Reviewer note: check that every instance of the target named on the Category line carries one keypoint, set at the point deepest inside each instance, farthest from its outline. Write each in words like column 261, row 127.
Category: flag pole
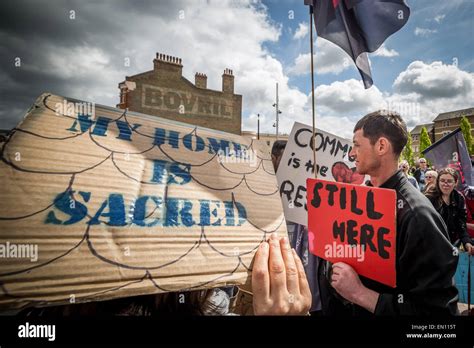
column 312, row 89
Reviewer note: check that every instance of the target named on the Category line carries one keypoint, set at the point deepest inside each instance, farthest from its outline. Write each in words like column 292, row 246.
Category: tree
column 466, row 132
column 407, row 152
column 425, row 140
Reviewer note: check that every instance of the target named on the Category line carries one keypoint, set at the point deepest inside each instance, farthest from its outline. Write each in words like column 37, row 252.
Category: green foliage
column 466, row 132
column 407, row 153
column 425, row 140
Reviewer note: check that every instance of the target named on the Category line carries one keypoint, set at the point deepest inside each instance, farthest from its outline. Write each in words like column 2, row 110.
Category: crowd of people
column 431, row 223
column 288, row 280
column 440, row 188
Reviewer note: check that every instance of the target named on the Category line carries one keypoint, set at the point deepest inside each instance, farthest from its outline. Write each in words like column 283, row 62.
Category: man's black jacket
column 425, row 264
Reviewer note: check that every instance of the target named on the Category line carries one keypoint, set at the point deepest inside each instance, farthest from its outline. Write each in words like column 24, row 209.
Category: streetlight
column 258, row 126
column 277, row 111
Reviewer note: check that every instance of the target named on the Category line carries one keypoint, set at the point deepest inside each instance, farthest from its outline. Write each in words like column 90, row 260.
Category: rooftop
column 417, row 129
column 454, row 114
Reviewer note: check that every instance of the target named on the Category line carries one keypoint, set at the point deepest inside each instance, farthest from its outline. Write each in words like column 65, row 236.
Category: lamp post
column 258, row 126
column 277, row 111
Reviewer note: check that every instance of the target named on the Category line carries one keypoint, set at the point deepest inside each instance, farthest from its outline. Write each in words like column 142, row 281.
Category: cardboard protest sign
column 103, row 203
column 296, row 165
column 354, row 224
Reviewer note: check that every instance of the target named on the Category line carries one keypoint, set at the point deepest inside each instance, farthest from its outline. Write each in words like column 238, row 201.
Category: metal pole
column 277, row 110
column 312, row 89
column 258, row 126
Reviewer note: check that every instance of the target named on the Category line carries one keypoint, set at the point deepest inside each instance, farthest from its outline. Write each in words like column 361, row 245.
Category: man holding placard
column 425, row 259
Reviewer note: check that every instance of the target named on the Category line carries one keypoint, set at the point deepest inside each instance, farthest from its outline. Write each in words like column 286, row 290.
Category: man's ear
column 383, row 146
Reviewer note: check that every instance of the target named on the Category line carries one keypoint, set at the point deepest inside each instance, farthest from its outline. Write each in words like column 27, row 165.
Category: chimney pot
column 200, row 80
column 167, row 62
column 228, row 81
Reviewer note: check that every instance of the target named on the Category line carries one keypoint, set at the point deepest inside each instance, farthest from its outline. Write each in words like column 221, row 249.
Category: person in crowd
column 451, row 205
column 430, row 180
column 211, row 302
column 277, row 152
column 425, row 259
column 405, row 167
column 420, row 173
column 298, row 239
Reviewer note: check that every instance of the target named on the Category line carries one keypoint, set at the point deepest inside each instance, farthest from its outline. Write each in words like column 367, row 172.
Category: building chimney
column 228, row 81
column 200, row 80
column 125, row 88
column 167, row 63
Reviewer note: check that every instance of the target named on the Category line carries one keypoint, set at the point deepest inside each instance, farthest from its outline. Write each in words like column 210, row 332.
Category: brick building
column 446, row 122
column 416, row 134
column 442, row 125
column 164, row 92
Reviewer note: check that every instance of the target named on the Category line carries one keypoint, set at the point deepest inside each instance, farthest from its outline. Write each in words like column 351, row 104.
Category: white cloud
column 329, row 58
column 435, row 80
column 229, row 34
column 420, row 93
column 209, row 37
column 434, row 88
column 301, row 32
column 339, row 125
column 424, row 32
column 260, row 85
column 347, row 98
column 383, row 51
column 301, row 65
column 439, row 18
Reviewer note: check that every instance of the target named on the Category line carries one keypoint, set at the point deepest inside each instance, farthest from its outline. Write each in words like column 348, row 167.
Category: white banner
column 296, row 165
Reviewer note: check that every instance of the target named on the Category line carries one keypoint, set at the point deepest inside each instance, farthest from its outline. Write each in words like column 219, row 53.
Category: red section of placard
column 354, row 224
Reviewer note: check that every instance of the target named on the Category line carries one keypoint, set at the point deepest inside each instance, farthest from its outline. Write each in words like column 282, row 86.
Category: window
column 446, row 133
column 415, row 138
column 446, row 123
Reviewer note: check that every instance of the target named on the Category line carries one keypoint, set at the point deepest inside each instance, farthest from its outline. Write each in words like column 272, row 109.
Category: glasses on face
column 447, row 181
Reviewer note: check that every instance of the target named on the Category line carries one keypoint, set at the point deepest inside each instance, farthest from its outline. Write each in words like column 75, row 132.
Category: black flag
column 359, row 26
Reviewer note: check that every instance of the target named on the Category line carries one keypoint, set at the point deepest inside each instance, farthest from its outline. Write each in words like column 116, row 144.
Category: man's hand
column 279, row 281
column 469, row 248
column 346, row 282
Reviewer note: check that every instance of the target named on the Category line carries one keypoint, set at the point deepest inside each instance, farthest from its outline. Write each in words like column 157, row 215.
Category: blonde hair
column 402, row 163
column 433, row 173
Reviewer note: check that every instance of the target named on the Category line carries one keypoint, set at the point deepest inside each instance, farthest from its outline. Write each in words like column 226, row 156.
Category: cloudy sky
column 79, row 49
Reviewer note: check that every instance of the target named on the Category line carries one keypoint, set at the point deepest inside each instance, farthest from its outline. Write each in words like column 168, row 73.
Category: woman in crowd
column 430, row 180
column 451, row 206
column 405, row 167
